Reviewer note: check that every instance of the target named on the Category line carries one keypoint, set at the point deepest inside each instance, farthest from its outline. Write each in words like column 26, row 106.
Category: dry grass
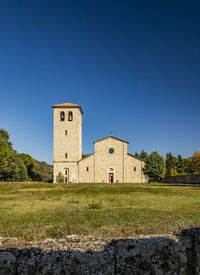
column 37, row 211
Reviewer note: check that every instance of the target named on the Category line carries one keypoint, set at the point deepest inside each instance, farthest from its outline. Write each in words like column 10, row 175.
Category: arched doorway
column 66, row 175
column 111, row 175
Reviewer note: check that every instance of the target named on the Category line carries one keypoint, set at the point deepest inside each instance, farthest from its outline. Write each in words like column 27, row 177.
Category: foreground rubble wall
column 125, row 256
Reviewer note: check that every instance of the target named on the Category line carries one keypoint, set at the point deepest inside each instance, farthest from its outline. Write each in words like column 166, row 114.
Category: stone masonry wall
column 122, row 162
column 70, row 143
column 84, row 174
column 126, row 256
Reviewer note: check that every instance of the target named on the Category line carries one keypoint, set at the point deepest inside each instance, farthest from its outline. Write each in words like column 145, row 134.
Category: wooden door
column 111, row 177
column 66, row 179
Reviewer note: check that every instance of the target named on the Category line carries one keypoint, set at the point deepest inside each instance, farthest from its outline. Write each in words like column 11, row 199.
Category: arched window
column 66, row 175
column 62, row 116
column 66, row 171
column 70, row 116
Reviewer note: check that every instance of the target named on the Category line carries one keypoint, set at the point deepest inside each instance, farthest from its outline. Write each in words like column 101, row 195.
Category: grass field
column 39, row 210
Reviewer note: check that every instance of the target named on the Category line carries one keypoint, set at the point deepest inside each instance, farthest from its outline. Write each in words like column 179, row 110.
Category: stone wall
column 183, row 179
column 72, row 168
column 84, row 175
column 125, row 256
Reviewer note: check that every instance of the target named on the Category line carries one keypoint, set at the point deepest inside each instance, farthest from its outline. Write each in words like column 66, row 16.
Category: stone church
column 110, row 162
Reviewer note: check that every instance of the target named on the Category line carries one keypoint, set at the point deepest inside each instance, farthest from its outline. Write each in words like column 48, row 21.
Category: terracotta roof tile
column 67, row 105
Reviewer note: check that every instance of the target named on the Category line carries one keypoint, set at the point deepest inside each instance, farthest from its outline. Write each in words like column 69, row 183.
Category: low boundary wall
column 125, row 256
column 183, row 179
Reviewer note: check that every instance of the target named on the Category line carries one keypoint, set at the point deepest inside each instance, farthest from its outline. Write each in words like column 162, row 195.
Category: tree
column 4, row 153
column 19, row 167
column 183, row 166
column 143, row 155
column 28, row 160
column 85, row 155
column 5, row 136
column 16, row 169
column 180, row 166
column 171, row 163
column 30, row 163
column 155, row 166
column 137, row 155
column 60, row 178
column 195, row 163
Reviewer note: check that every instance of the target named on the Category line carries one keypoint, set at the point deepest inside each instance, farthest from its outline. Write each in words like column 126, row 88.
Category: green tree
column 60, row 178
column 30, row 163
column 182, row 166
column 195, row 163
column 16, row 171
column 5, row 136
column 143, row 155
column 4, row 153
column 50, row 178
column 14, row 166
column 171, row 163
column 28, row 160
column 155, row 167
column 85, row 155
column 137, row 155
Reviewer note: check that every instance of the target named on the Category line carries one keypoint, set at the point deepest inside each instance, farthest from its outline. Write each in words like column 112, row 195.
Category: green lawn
column 40, row 210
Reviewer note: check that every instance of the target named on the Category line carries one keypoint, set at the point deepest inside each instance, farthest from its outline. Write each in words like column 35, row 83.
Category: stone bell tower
column 67, row 140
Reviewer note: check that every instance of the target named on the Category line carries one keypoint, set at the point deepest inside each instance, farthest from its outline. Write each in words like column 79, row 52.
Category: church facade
column 110, row 162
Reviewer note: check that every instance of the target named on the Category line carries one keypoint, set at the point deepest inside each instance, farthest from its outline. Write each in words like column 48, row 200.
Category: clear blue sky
column 133, row 66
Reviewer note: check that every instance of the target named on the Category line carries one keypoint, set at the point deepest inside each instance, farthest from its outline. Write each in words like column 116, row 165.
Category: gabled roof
column 67, row 105
column 113, row 138
column 135, row 157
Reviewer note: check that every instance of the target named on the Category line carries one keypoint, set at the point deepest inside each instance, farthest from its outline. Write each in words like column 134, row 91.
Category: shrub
column 60, row 178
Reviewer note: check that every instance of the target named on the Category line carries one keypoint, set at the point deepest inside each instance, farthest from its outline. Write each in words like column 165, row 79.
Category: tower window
column 66, row 132
column 70, row 116
column 134, row 169
column 87, row 169
column 66, row 155
column 62, row 116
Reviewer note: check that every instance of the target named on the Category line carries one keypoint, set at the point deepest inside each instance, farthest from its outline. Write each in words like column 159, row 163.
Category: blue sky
column 133, row 66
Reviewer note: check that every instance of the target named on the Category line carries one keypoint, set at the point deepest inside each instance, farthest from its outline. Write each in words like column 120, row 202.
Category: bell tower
column 67, row 140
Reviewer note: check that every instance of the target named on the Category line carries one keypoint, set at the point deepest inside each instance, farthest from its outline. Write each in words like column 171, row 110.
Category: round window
column 111, row 151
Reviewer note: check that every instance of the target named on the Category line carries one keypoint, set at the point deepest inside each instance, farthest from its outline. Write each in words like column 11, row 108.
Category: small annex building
column 110, row 162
